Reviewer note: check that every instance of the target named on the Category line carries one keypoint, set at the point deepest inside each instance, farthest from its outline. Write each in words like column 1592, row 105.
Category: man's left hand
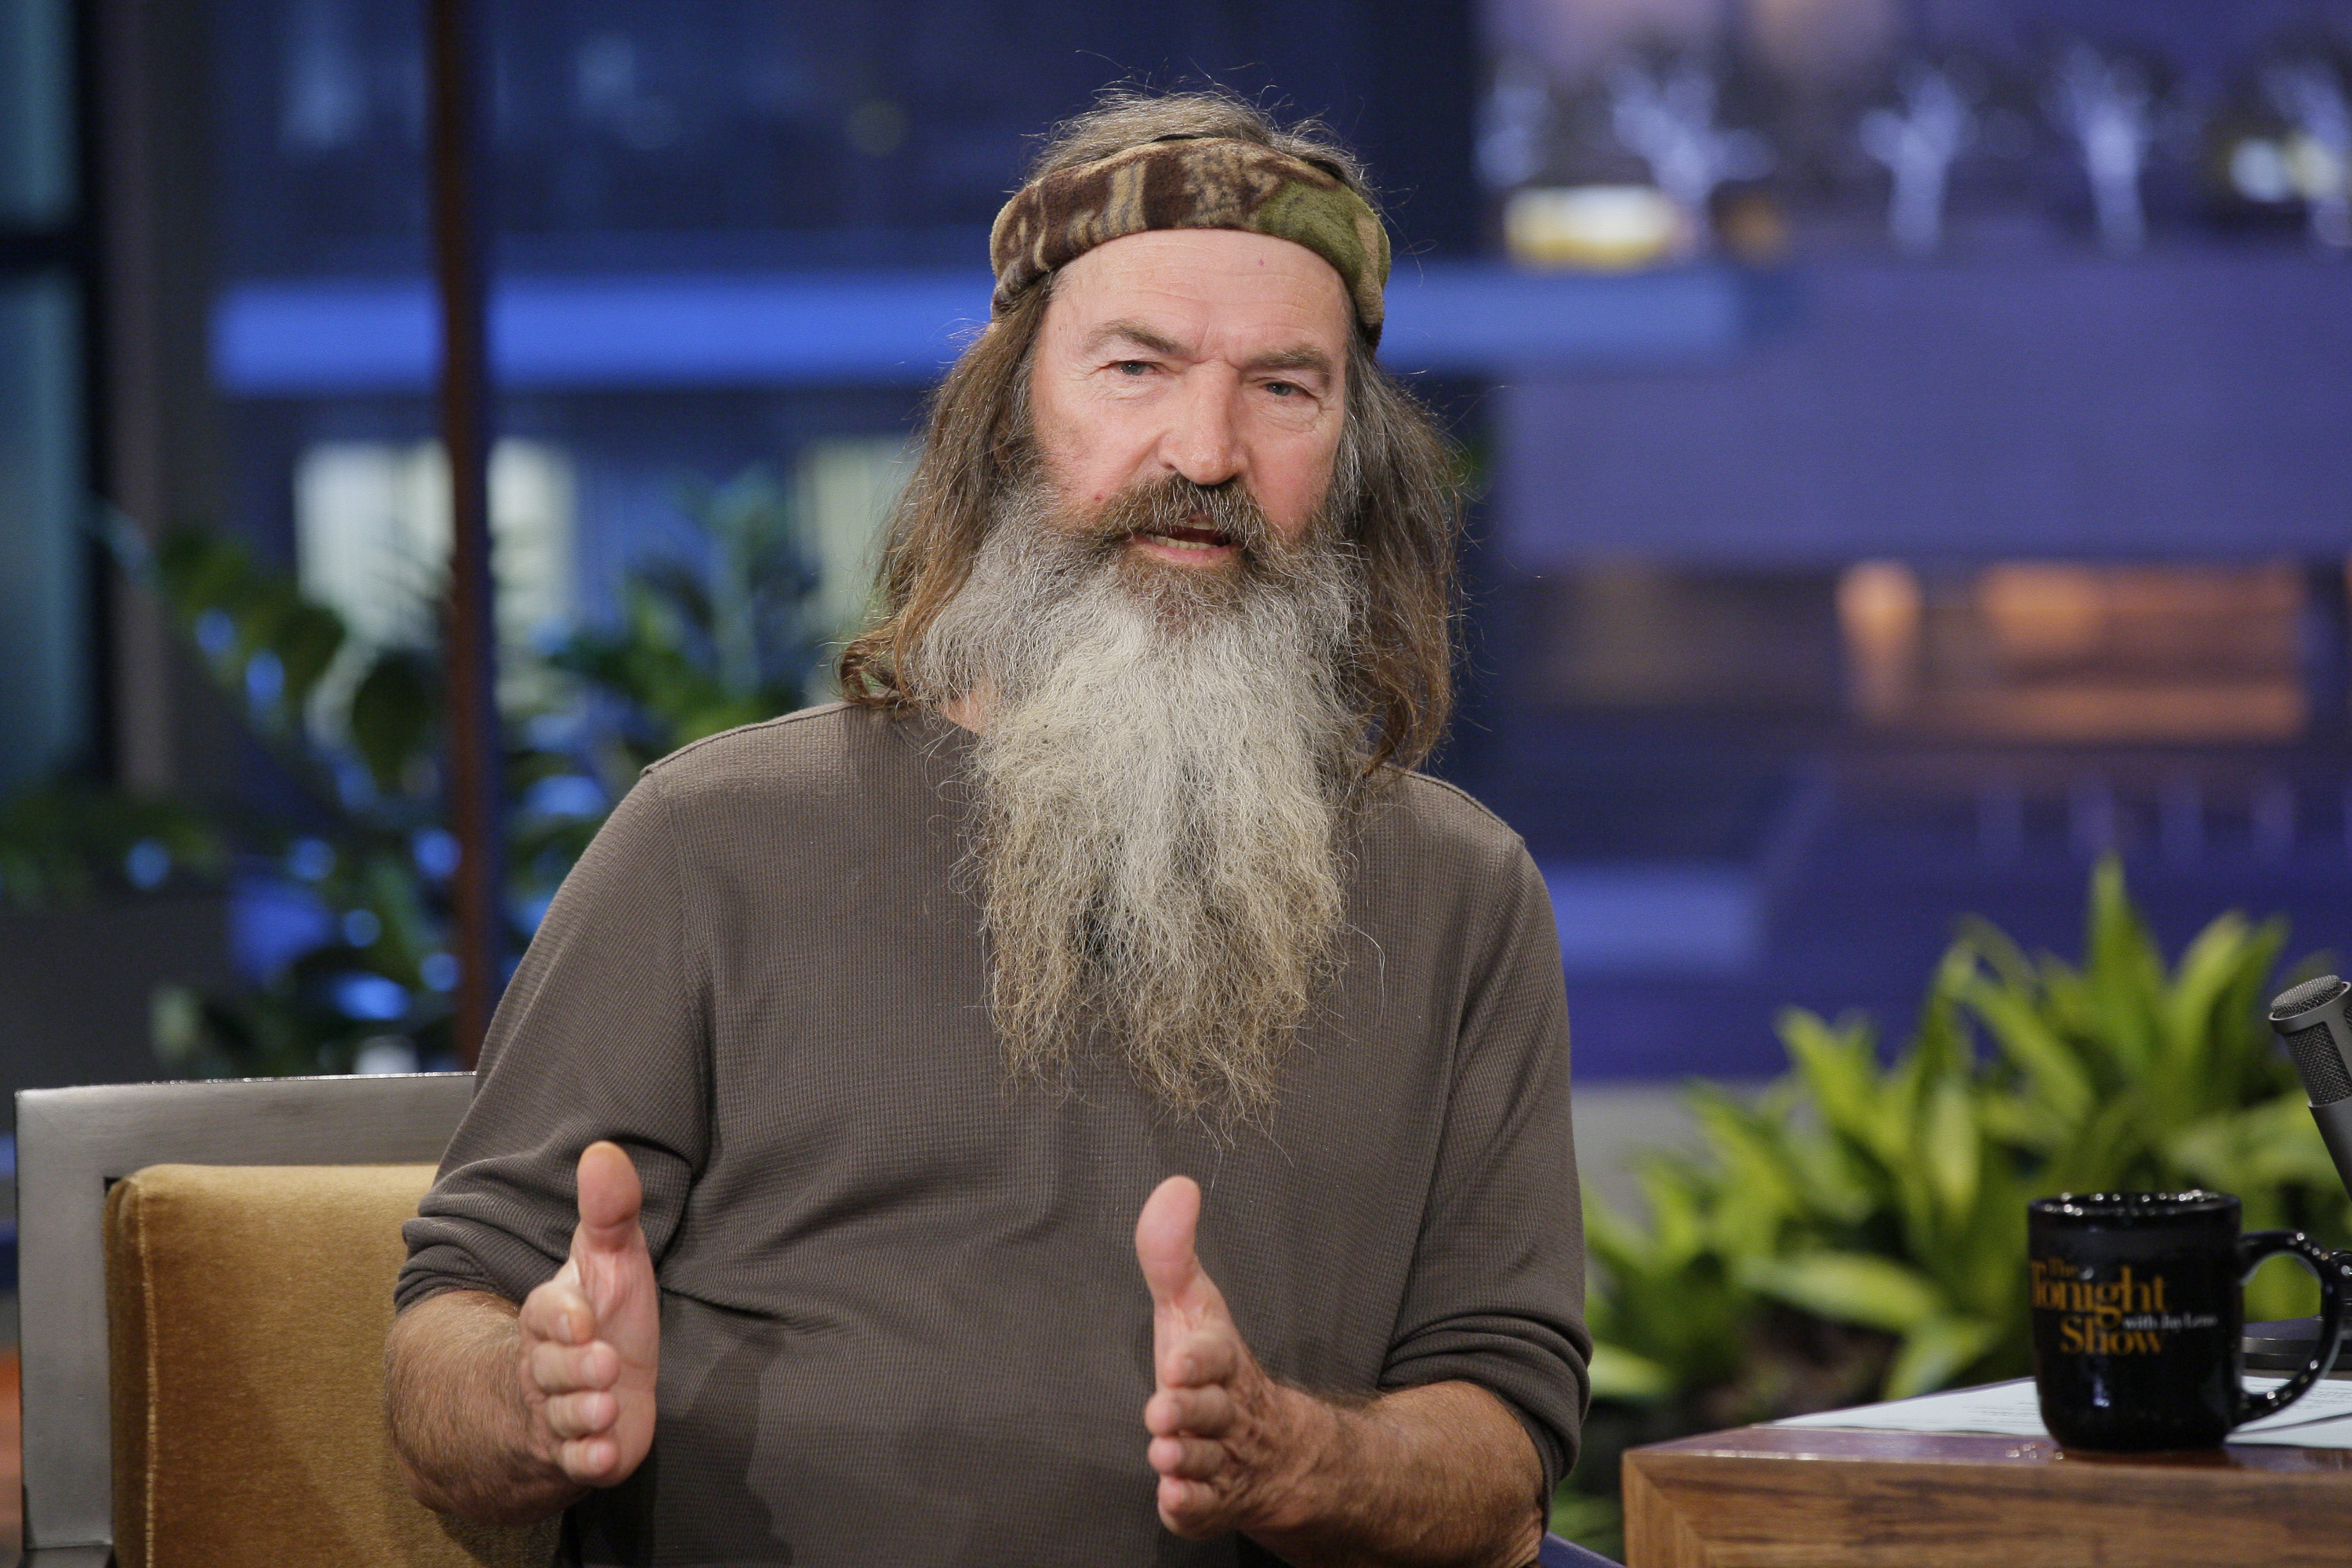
column 1236, row 1450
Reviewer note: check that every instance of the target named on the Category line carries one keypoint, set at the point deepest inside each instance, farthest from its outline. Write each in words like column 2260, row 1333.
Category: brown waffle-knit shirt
column 902, row 1317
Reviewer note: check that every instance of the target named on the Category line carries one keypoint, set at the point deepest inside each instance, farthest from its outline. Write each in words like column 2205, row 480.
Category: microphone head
column 2311, row 1024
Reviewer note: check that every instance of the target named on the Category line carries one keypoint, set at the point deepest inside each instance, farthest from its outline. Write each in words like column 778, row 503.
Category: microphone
column 2311, row 1023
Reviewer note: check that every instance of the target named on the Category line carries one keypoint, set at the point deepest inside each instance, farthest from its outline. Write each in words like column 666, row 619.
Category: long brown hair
column 1395, row 499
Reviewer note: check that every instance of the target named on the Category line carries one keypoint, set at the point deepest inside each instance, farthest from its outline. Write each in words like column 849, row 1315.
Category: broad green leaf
column 1982, row 1267
column 2025, row 1037
column 1835, row 1183
column 2108, row 1151
column 1619, row 1374
column 1942, row 1044
column 1935, row 1351
column 2023, row 1121
column 2125, row 972
column 2007, row 960
column 1611, row 1240
column 1677, row 1221
column 307, row 641
column 2208, row 966
column 197, row 569
column 392, row 894
column 1761, row 1176
column 394, row 715
column 2067, row 1001
column 1912, row 1086
column 1837, row 1067
column 1950, row 1146
column 1848, row 1287
column 2261, row 1146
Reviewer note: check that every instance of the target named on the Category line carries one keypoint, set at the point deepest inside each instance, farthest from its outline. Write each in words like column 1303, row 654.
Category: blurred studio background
column 1913, row 443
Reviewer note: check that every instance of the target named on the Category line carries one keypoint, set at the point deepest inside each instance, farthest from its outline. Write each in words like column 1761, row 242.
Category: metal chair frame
column 72, row 1142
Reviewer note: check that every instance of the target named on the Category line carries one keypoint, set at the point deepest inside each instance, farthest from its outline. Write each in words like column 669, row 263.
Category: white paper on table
column 2320, row 1419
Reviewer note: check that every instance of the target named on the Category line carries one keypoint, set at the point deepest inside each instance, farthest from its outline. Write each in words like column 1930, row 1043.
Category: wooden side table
column 1789, row 1497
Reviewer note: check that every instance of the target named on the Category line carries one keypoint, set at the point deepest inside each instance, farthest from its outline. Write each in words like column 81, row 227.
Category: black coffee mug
column 2138, row 1312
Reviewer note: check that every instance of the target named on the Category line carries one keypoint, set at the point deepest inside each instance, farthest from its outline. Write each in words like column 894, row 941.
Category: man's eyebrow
column 1135, row 332
column 1299, row 356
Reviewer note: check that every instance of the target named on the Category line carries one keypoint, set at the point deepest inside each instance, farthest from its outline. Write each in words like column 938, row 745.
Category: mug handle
column 2332, row 1269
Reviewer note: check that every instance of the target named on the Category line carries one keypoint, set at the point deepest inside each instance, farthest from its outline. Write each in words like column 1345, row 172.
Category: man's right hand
column 592, row 1335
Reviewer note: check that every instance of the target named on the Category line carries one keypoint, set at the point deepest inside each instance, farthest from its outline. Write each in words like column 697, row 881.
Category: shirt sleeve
column 601, row 1033
column 1497, row 1292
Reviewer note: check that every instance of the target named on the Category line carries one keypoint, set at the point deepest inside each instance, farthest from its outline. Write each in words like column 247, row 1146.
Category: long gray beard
column 1162, row 786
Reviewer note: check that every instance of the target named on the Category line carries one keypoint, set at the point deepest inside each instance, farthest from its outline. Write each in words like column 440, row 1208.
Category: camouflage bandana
column 1190, row 183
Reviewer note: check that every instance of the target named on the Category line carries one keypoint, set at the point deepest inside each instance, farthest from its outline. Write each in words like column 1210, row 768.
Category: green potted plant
column 1858, row 1230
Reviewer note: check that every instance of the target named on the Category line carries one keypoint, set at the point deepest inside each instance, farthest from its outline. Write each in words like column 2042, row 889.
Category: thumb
column 1163, row 1246
column 609, row 1198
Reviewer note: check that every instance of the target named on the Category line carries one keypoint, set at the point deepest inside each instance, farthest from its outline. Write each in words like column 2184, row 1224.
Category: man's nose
column 1203, row 441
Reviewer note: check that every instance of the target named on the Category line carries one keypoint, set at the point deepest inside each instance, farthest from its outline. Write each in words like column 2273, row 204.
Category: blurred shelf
column 333, row 337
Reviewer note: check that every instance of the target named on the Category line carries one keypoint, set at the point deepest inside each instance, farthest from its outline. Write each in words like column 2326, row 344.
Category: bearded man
column 1083, row 1099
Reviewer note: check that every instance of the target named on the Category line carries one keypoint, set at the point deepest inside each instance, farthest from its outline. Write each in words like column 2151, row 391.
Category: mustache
column 1178, row 505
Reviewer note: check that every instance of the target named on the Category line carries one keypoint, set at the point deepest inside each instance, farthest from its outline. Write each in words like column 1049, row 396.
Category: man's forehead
column 1181, row 291
column 1264, row 353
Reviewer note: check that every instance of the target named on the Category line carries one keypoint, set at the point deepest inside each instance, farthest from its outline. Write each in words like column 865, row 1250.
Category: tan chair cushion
column 246, row 1308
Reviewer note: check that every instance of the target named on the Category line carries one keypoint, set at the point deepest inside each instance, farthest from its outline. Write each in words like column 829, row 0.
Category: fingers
column 590, row 1461
column 1163, row 1244
column 1187, row 1458
column 1192, row 1411
column 568, row 1369
column 610, row 1196
column 575, row 1415
column 575, row 1377
column 589, row 1343
column 1209, row 1354
column 1199, row 1416
column 559, row 1310
column 574, row 1373
column 1190, row 1509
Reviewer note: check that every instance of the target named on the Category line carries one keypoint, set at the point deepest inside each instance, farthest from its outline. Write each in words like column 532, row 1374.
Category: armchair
column 206, row 1279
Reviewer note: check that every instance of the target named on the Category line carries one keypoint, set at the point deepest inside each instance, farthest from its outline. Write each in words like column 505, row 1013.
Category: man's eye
column 1283, row 388
column 1133, row 367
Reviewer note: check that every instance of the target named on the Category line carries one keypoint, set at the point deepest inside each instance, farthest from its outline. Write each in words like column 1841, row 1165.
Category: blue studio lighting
column 216, row 633
column 370, row 997
column 265, row 679
column 341, row 336
column 272, row 923
column 147, row 865
column 437, row 851
column 309, row 858
column 565, row 794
